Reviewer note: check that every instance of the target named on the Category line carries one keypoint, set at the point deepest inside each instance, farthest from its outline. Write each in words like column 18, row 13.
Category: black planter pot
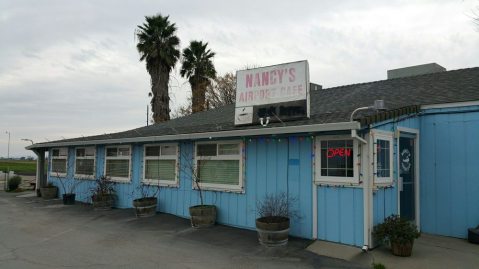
column 473, row 235
column 69, row 199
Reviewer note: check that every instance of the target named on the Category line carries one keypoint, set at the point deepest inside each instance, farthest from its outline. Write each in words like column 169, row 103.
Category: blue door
column 407, row 166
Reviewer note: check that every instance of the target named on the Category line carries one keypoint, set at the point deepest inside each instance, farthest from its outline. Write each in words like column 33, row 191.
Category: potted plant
column 274, row 219
column 103, row 194
column 473, row 235
column 145, row 206
column 68, row 187
column 201, row 216
column 399, row 233
column 49, row 191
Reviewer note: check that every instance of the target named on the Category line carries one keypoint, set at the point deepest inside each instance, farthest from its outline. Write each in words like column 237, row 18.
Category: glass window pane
column 168, row 150
column 324, row 144
column 152, row 151
column 336, row 158
column 85, row 166
column 55, row 152
column 63, row 152
column 383, row 158
column 324, row 158
column 337, row 172
column 219, row 171
column 228, row 149
column 160, row 170
column 59, row 166
column 123, row 151
column 336, row 143
column 111, row 152
column 90, row 152
column 117, row 168
column 206, row 150
column 80, row 152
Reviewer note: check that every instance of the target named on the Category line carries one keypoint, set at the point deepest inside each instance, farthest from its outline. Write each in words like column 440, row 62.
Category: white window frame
column 239, row 157
column 387, row 136
column 119, row 179
column 331, row 179
column 165, row 183
column 83, row 176
column 53, row 173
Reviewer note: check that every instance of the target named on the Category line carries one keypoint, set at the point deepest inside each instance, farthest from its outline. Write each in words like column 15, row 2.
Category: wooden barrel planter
column 49, row 192
column 402, row 249
column 202, row 216
column 102, row 202
column 145, row 207
column 69, row 199
column 272, row 231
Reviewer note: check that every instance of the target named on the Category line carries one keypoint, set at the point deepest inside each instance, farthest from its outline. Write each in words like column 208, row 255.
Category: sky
column 71, row 68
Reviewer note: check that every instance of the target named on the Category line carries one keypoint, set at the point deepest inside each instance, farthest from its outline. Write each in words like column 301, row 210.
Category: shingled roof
column 328, row 105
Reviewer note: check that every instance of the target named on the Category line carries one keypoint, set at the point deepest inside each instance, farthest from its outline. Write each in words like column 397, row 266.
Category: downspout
column 367, row 193
column 365, row 176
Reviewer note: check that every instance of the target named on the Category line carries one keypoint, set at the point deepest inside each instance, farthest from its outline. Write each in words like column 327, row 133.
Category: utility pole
column 7, row 177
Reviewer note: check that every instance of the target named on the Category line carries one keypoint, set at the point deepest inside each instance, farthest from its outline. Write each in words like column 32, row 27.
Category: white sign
column 272, row 84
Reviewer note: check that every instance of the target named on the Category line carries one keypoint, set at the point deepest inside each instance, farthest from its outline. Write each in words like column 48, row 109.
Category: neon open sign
column 341, row 152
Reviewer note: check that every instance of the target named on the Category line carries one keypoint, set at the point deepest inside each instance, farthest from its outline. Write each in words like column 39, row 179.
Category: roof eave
column 325, row 127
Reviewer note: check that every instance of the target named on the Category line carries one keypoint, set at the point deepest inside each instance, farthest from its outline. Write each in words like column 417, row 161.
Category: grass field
column 20, row 167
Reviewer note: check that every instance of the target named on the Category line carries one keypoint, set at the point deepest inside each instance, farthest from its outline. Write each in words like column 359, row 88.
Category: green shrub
column 14, row 182
column 396, row 229
column 378, row 266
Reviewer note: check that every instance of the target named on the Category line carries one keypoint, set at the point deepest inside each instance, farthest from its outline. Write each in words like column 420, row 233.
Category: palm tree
column 158, row 46
column 198, row 68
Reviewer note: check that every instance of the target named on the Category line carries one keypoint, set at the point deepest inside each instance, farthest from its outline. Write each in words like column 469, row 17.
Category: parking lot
column 46, row 234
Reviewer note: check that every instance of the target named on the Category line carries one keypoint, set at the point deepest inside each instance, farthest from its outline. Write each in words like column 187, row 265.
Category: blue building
column 416, row 159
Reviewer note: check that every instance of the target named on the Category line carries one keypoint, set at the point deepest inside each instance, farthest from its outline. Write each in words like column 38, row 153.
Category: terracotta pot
column 273, row 231
column 145, row 207
column 402, row 249
column 102, row 202
column 49, row 192
column 202, row 216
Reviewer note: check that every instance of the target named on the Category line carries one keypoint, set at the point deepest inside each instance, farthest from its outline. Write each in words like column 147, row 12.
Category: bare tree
column 222, row 91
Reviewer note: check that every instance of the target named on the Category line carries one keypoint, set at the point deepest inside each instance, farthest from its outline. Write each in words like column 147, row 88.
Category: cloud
column 71, row 68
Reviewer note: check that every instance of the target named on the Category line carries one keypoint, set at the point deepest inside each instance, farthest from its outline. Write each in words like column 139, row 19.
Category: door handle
column 400, row 184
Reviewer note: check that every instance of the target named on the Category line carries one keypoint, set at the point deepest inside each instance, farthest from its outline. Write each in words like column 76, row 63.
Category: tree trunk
column 160, row 102
column 198, row 95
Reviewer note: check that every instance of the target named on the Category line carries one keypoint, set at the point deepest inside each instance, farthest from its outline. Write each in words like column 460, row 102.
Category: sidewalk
column 429, row 252
column 36, row 233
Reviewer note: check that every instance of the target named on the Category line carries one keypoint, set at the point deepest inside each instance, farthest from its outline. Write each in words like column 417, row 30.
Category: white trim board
column 338, row 126
column 449, row 105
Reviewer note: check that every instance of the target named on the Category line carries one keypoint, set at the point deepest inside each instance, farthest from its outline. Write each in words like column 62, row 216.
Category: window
column 160, row 164
column 219, row 165
column 383, row 160
column 59, row 161
column 85, row 162
column 336, row 160
column 117, row 163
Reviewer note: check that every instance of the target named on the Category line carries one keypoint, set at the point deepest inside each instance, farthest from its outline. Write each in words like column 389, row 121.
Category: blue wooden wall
column 340, row 215
column 272, row 166
column 449, row 171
